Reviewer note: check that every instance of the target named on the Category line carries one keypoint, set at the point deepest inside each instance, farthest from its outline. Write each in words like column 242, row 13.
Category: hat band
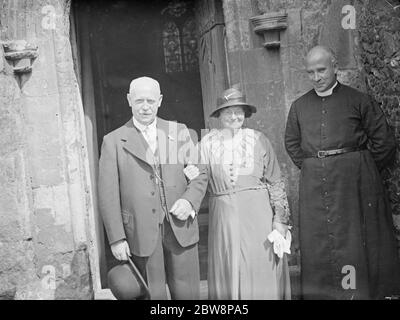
column 234, row 100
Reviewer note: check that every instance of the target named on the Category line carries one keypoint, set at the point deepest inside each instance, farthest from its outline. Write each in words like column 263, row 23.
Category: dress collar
column 327, row 92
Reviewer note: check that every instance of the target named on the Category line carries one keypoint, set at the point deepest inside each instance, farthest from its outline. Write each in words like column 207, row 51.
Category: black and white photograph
column 203, row 150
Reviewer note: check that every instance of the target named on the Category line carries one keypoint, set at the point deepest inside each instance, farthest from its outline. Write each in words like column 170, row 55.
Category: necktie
column 151, row 141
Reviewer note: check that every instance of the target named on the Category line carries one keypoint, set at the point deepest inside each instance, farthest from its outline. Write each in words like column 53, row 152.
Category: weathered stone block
column 13, row 210
column 261, row 65
column 234, row 66
column 16, row 266
column 50, row 238
column 292, row 34
column 11, row 138
column 1, row 58
column 76, row 283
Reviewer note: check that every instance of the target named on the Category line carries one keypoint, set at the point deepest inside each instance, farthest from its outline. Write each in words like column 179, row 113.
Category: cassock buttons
column 153, row 193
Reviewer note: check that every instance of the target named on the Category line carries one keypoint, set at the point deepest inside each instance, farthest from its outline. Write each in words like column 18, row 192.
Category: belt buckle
column 321, row 154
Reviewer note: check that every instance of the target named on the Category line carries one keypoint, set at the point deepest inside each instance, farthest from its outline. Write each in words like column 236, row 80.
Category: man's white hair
column 144, row 81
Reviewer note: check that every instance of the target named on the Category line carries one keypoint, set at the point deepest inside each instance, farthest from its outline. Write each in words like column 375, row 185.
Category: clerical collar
column 143, row 127
column 327, row 92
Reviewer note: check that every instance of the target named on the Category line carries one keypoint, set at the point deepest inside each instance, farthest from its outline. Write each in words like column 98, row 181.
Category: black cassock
column 346, row 227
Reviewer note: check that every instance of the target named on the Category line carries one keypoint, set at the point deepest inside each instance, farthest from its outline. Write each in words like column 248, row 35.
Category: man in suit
column 148, row 207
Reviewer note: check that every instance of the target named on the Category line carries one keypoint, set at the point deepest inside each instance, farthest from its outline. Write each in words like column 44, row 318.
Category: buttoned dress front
column 244, row 177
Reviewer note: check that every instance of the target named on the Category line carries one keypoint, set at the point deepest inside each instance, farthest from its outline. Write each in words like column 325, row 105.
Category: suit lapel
column 165, row 135
column 135, row 144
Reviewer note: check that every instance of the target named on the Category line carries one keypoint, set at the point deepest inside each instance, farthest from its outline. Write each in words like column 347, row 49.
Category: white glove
column 191, row 172
column 121, row 250
column 281, row 245
column 182, row 209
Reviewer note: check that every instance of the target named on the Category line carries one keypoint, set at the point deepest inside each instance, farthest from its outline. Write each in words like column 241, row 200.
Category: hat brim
column 252, row 109
column 137, row 284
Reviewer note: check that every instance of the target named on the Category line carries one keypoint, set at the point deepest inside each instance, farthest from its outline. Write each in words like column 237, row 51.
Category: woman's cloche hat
column 233, row 97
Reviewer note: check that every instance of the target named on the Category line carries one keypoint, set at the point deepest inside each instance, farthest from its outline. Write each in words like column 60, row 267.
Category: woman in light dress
column 247, row 201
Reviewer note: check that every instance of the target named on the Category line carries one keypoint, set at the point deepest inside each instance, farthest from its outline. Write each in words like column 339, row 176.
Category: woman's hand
column 281, row 228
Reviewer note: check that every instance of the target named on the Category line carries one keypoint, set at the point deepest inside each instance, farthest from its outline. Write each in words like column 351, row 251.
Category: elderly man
column 340, row 139
column 148, row 208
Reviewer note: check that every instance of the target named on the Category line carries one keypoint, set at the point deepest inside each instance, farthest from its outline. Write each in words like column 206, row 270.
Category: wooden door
column 212, row 54
column 214, row 79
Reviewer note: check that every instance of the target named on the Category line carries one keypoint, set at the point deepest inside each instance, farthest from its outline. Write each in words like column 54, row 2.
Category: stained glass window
column 172, row 48
column 179, row 37
column 190, row 45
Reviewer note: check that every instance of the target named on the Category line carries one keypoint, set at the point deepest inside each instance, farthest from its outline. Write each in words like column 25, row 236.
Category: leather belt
column 333, row 152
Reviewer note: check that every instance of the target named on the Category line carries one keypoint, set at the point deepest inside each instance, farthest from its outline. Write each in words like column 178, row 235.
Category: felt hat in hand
column 230, row 98
column 126, row 282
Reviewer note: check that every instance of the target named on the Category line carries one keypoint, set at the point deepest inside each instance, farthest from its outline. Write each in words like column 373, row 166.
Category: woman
column 247, row 201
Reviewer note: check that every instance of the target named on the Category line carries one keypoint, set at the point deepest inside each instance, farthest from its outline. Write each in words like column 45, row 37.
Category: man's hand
column 280, row 227
column 191, row 172
column 121, row 250
column 181, row 209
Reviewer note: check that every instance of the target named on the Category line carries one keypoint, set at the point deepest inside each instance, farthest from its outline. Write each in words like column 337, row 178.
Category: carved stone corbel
column 21, row 55
column 270, row 25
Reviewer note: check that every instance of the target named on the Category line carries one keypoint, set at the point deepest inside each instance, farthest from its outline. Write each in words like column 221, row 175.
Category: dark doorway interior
column 130, row 39
column 123, row 40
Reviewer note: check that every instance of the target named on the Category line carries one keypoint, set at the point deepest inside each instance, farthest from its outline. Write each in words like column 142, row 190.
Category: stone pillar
column 45, row 192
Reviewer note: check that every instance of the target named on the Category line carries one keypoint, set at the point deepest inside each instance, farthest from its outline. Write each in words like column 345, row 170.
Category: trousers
column 171, row 264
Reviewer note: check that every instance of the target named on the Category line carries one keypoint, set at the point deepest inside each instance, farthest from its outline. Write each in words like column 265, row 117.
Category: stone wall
column 379, row 28
column 44, row 188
